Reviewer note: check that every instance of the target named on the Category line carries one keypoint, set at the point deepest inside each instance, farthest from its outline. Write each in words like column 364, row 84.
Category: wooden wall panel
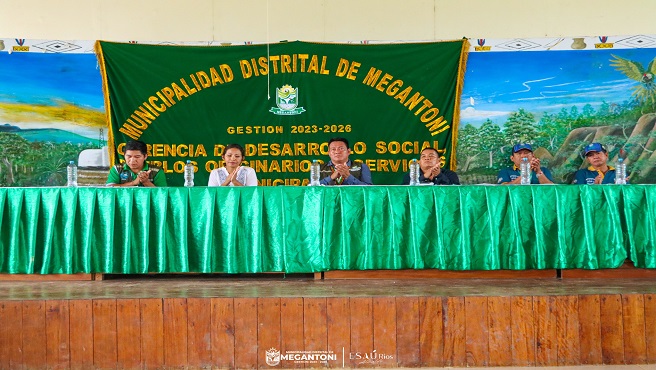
column 546, row 349
column 5, row 316
column 453, row 310
column 590, row 329
column 567, row 330
column 477, row 331
column 633, row 322
column 416, row 331
column 315, row 334
column 152, row 333
column 57, row 335
column 500, row 331
column 431, row 332
column 650, row 327
column 268, row 328
column 362, row 330
column 385, row 310
column 105, row 351
column 175, row 332
column 291, row 334
column 223, row 332
column 612, row 331
column 128, row 333
column 34, row 334
column 523, row 331
column 338, row 320
column 11, row 342
column 245, row 332
column 199, row 332
column 81, row 333
column 407, row 329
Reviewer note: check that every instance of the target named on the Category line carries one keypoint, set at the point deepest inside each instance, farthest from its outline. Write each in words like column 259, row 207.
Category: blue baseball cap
column 519, row 147
column 593, row 147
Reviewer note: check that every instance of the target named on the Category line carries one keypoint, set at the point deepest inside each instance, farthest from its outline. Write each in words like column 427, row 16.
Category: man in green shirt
column 135, row 171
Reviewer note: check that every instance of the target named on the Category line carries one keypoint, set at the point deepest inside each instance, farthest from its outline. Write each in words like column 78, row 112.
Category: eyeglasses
column 339, row 149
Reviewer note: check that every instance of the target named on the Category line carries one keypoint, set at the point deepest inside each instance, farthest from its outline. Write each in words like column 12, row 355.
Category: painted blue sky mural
column 498, row 83
column 32, row 80
column 559, row 101
column 41, row 78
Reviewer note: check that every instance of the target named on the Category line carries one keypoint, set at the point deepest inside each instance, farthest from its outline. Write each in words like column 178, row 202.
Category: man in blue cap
column 599, row 172
column 510, row 175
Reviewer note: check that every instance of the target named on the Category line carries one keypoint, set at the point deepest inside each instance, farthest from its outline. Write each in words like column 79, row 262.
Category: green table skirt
column 310, row 229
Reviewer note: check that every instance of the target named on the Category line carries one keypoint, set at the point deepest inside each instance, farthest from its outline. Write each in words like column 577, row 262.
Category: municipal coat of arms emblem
column 287, row 101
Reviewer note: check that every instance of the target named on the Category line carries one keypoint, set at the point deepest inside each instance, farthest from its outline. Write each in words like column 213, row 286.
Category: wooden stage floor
column 291, row 286
column 281, row 321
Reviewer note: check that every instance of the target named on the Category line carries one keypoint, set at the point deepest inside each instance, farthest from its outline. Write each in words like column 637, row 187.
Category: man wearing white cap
column 511, row 176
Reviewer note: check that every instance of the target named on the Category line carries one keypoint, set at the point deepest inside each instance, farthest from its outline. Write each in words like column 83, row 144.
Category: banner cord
column 268, row 66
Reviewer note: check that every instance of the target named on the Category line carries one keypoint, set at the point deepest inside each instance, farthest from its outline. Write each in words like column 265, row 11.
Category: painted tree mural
column 559, row 102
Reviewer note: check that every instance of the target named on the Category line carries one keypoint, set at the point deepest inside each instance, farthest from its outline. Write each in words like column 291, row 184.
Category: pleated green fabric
column 310, row 229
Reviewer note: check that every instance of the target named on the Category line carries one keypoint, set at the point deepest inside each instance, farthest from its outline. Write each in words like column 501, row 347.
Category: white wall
column 321, row 20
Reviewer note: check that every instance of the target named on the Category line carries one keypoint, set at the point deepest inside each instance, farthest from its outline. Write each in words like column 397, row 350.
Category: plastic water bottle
column 71, row 174
column 189, row 174
column 315, row 173
column 620, row 172
column 414, row 172
column 525, row 171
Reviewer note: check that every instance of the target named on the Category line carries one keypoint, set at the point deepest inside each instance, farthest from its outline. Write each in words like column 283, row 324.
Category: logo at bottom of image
column 274, row 357
column 370, row 358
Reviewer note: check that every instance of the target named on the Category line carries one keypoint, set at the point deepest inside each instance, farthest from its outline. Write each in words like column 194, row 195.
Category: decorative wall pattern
column 556, row 93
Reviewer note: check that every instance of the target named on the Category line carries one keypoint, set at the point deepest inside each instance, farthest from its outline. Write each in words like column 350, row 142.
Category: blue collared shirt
column 509, row 174
column 588, row 175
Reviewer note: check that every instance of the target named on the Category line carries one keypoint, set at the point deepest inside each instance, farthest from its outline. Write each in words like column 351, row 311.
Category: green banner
column 283, row 102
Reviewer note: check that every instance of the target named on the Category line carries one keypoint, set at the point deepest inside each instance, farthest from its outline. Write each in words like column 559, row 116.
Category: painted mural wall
column 557, row 94
column 51, row 110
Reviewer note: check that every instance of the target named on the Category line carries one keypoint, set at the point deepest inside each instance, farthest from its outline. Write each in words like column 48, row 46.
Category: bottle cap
column 71, row 162
column 188, row 161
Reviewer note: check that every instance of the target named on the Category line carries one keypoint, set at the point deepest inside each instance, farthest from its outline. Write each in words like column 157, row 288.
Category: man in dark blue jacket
column 431, row 171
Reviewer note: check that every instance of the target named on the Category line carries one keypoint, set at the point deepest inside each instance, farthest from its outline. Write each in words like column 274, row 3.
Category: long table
column 311, row 229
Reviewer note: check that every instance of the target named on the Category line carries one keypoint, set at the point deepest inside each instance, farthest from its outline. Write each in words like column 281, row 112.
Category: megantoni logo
column 272, row 357
column 275, row 357
column 287, row 101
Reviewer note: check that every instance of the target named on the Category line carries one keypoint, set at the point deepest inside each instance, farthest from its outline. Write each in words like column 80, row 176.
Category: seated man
column 340, row 170
column 135, row 170
column 510, row 176
column 599, row 172
column 431, row 171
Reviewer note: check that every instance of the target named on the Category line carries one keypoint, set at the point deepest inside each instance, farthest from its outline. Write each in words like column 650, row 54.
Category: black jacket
column 446, row 177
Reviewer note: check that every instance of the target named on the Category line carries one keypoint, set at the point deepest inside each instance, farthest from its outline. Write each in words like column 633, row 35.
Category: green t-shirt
column 115, row 178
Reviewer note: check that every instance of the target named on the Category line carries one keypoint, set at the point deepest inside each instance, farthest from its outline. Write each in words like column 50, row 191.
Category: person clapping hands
column 233, row 173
